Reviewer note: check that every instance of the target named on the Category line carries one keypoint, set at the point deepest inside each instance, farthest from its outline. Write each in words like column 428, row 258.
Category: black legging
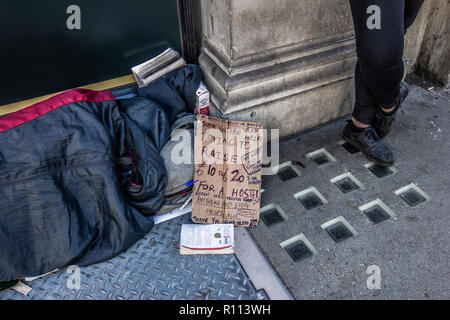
column 380, row 69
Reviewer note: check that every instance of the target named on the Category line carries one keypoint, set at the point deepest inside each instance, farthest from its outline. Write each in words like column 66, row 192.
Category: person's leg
column 386, row 115
column 380, row 51
column 378, row 72
column 365, row 105
column 374, row 55
column 359, row 131
column 410, row 10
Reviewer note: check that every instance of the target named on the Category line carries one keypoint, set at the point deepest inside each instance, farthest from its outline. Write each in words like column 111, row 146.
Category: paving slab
column 410, row 245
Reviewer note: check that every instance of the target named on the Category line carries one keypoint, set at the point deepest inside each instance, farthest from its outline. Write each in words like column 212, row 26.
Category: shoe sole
column 359, row 146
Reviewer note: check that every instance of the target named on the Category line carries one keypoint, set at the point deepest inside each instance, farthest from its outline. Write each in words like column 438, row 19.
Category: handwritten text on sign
column 228, row 160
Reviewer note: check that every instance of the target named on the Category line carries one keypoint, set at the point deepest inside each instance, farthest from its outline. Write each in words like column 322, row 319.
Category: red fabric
column 207, row 248
column 39, row 109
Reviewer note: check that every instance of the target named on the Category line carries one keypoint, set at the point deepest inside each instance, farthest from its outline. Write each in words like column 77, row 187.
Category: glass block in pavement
column 271, row 217
column 339, row 232
column 298, row 251
column 376, row 214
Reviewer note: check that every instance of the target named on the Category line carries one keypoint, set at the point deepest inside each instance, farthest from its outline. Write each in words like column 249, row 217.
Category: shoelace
column 375, row 141
column 372, row 135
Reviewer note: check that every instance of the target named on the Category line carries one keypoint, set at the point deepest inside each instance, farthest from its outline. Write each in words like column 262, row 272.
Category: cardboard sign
column 228, row 162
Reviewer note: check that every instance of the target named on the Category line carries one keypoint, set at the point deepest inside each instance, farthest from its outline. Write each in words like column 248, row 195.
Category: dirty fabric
column 81, row 174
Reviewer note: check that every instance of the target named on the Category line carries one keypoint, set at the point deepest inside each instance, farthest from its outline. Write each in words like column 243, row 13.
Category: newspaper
column 155, row 68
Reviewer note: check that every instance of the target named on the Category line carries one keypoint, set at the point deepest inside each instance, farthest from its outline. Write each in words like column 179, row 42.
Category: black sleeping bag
column 81, row 176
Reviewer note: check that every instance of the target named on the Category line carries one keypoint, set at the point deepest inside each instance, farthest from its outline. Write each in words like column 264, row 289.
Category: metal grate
column 152, row 269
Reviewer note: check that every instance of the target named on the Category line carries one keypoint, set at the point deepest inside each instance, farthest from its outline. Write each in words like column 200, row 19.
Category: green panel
column 40, row 55
column 8, row 284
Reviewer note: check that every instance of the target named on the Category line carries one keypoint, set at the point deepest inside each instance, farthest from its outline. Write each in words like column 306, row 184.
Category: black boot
column 383, row 122
column 370, row 144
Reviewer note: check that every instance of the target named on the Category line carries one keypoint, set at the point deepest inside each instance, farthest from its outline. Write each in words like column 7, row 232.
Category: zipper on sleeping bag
column 58, row 170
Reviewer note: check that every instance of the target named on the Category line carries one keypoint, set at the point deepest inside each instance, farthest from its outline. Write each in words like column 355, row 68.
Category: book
column 207, row 239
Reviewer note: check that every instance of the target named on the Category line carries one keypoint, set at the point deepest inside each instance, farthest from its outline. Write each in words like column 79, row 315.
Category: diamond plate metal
column 151, row 269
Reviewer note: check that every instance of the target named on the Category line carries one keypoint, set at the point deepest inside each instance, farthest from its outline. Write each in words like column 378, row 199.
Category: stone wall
column 287, row 63
column 427, row 43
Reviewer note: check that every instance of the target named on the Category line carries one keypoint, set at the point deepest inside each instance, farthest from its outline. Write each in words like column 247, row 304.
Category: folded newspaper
column 207, row 239
column 155, row 68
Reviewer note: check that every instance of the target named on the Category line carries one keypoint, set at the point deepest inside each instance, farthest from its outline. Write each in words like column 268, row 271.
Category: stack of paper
column 157, row 67
column 207, row 239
